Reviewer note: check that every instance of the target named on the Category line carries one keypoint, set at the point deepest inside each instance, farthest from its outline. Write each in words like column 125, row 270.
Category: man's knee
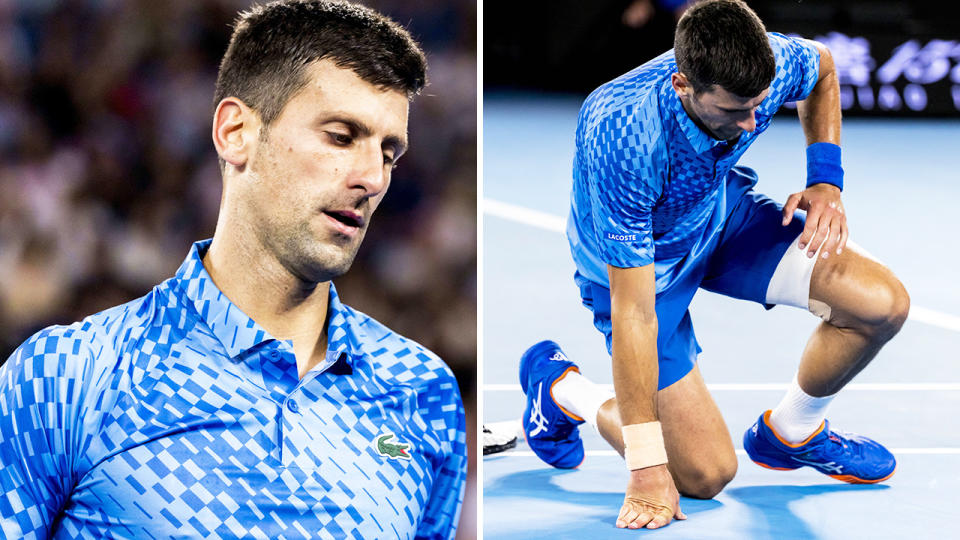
column 896, row 307
column 865, row 297
column 706, row 480
column 884, row 308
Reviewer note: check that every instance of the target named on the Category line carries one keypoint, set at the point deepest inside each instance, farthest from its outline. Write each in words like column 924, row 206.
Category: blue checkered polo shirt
column 176, row 415
column 646, row 179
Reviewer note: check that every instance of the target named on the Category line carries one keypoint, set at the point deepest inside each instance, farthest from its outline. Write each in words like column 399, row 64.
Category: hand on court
column 825, row 217
column 652, row 499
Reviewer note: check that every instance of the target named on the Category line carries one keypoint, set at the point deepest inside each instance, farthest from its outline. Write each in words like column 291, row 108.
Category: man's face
column 723, row 115
column 321, row 169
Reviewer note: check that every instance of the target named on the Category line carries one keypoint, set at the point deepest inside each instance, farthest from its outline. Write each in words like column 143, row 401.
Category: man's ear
column 236, row 129
column 681, row 85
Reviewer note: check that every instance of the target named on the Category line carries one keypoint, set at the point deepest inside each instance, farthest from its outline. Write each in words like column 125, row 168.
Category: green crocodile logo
column 392, row 450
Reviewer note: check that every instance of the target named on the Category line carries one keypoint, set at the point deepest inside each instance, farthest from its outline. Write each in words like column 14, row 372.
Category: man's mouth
column 346, row 221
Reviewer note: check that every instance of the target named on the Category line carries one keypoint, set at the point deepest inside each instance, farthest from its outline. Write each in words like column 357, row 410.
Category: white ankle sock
column 799, row 414
column 580, row 396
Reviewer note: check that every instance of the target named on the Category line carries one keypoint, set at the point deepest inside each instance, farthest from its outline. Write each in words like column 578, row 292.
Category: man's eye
column 340, row 138
column 389, row 160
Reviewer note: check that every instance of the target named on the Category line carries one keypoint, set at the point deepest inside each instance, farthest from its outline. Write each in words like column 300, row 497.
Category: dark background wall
column 893, row 57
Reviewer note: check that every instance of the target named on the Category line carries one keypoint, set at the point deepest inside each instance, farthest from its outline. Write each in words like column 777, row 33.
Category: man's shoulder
column 798, row 62
column 629, row 94
column 789, row 51
column 396, row 356
column 783, row 44
column 87, row 348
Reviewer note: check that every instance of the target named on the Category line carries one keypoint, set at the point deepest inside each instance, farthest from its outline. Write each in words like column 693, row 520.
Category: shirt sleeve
column 442, row 514
column 39, row 397
column 798, row 67
column 625, row 181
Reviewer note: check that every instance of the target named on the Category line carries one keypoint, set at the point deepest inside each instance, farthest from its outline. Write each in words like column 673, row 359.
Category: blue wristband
column 823, row 165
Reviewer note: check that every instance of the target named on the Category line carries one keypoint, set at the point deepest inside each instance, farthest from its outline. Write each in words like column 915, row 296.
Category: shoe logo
column 536, row 415
column 559, row 357
column 396, row 450
column 830, row 466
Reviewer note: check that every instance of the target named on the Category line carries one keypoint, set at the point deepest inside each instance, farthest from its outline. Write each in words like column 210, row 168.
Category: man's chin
column 321, row 271
column 324, row 262
column 732, row 138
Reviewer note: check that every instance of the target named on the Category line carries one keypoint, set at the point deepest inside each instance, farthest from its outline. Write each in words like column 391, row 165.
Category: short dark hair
column 724, row 43
column 272, row 44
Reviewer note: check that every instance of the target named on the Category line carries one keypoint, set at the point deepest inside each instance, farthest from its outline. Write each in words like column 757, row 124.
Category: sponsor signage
column 886, row 75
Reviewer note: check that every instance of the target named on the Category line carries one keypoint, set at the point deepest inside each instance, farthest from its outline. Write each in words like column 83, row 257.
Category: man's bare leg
column 862, row 305
column 867, row 305
column 699, row 448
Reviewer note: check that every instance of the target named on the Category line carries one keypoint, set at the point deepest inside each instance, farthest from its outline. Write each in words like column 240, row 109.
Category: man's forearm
column 820, row 113
column 635, row 368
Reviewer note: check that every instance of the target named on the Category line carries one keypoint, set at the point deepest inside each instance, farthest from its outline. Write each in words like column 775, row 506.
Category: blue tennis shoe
column 551, row 432
column 844, row 456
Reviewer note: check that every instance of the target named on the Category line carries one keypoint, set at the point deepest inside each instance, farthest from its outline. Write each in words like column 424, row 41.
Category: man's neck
column 687, row 108
column 268, row 293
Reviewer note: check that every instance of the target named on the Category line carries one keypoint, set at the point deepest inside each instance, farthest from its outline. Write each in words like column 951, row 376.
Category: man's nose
column 370, row 173
column 749, row 123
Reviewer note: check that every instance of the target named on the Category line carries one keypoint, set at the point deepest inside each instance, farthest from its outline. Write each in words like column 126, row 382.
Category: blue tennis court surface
column 903, row 184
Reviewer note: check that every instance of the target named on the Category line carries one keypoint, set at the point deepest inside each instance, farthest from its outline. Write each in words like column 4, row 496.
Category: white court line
column 519, row 214
column 613, row 453
column 881, row 387
column 934, row 318
column 550, row 222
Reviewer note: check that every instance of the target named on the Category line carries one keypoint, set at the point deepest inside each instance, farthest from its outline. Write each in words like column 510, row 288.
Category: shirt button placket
column 293, row 406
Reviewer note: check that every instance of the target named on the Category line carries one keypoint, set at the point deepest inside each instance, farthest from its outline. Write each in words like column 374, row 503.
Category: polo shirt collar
column 700, row 140
column 236, row 331
column 343, row 330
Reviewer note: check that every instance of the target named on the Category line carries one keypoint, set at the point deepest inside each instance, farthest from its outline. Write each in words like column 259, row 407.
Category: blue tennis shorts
column 738, row 261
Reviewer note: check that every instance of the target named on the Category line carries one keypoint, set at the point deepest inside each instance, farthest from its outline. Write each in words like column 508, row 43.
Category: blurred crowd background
column 108, row 173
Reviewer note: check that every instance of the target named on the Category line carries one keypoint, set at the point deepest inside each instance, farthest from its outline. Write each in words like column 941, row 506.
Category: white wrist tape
column 643, row 445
